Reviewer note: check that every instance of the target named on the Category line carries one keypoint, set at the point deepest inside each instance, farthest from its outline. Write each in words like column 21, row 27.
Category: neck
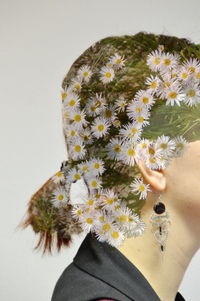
column 164, row 274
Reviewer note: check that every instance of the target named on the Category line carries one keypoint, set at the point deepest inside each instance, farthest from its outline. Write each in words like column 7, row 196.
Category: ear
column 156, row 178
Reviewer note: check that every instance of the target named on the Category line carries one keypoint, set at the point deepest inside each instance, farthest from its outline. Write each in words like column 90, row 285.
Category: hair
column 53, row 223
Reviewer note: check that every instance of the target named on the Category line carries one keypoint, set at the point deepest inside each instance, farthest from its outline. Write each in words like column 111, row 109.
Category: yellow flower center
column 96, row 165
column 145, row 99
column 192, row 69
column 123, row 218
column 118, row 61
column 64, row 94
column 172, row 94
column 93, row 108
column 73, row 132
column 108, row 114
column 102, row 218
column 77, row 148
column 100, row 127
column 180, row 145
column 76, row 176
column 89, row 220
column 94, row 184
column 138, row 110
column 78, row 212
column 184, row 75
column 157, row 60
column 59, row 174
column 153, row 85
column 90, row 202
column 60, row 197
column 106, row 227
column 77, row 117
column 152, row 160
column 163, row 145
column 191, row 93
column 151, row 151
column 115, row 234
column 85, row 73
column 72, row 102
column 167, row 62
column 198, row 75
column 117, row 148
column 141, row 187
column 77, row 86
column 131, row 152
column 167, row 84
column 140, row 119
column 109, row 201
column 108, row 74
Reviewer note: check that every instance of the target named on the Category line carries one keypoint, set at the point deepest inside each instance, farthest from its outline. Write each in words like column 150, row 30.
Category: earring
column 160, row 222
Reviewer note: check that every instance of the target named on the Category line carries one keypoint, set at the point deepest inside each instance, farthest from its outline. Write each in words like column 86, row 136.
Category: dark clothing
column 101, row 271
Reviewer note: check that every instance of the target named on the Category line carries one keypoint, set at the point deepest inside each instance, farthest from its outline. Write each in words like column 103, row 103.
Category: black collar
column 107, row 263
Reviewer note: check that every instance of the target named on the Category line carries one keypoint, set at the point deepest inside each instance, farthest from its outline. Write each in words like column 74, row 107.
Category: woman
column 130, row 107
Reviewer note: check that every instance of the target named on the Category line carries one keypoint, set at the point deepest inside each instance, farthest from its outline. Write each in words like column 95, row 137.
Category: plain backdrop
column 39, row 40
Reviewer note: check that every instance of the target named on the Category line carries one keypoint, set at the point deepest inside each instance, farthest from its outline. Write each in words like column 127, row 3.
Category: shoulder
column 75, row 284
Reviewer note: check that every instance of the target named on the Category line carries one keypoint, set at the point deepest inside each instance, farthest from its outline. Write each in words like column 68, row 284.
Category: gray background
column 39, row 41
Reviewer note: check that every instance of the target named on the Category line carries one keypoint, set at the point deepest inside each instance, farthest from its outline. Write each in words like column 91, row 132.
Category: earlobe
column 156, row 178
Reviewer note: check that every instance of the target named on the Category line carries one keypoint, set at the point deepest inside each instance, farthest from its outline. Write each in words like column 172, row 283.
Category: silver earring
column 160, row 220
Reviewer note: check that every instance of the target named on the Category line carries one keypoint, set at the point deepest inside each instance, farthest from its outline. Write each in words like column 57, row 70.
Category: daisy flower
column 77, row 149
column 107, row 74
column 100, row 127
column 122, row 216
column 78, row 117
column 71, row 131
column 181, row 146
column 165, row 84
column 86, row 136
column 108, row 199
column 174, row 94
column 71, row 101
column 192, row 65
column 116, row 60
column 84, row 166
column 131, row 131
column 169, row 61
column 145, row 97
column 87, row 220
column 97, row 165
column 192, row 92
column 153, row 83
column 59, row 197
column 109, row 113
column 154, row 60
column 139, row 187
column 165, row 145
column 100, row 100
column 91, row 108
column 75, row 85
column 136, row 229
column 77, row 211
column 142, row 147
column 134, row 108
column 142, row 118
column 64, row 92
column 94, row 182
column 129, row 153
column 184, row 74
column 73, row 175
column 58, row 177
column 114, row 148
column 115, row 237
column 84, row 73
column 120, row 104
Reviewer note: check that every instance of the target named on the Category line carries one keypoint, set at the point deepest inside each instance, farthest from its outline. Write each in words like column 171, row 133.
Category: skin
column 179, row 187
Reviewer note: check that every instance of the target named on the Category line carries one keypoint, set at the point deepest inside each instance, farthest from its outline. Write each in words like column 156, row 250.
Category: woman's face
column 183, row 181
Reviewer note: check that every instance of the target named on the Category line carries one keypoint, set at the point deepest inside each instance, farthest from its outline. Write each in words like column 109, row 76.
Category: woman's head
column 127, row 98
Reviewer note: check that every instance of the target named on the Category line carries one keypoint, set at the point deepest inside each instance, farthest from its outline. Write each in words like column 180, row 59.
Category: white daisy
column 73, row 175
column 142, row 147
column 86, row 136
column 58, row 177
column 109, row 113
column 99, row 100
column 107, row 74
column 184, row 74
column 94, row 182
column 145, row 97
column 154, row 60
column 75, row 85
column 139, row 187
column 181, row 146
column 153, row 83
column 169, row 60
column 114, row 148
column 84, row 166
column 131, row 130
column 174, row 94
column 100, row 127
column 129, row 154
column 71, row 101
column 134, row 108
column 120, row 104
column 108, row 199
column 78, row 117
column 71, row 132
column 77, row 211
column 122, row 216
column 165, row 84
column 87, row 220
column 91, row 108
column 165, row 145
column 59, row 196
column 142, row 118
column 116, row 60
column 97, row 165
column 192, row 92
column 64, row 92
column 192, row 65
column 84, row 73
column 115, row 237
column 77, row 149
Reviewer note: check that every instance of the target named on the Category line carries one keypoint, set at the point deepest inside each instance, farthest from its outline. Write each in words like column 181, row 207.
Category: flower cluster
column 103, row 212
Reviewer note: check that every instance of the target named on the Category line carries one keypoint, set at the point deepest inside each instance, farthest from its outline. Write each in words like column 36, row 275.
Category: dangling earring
column 159, row 223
